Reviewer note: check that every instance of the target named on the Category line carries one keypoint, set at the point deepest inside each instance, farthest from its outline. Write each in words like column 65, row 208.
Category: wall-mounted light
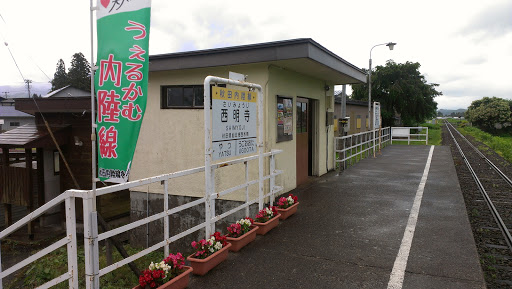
column 327, row 87
column 78, row 142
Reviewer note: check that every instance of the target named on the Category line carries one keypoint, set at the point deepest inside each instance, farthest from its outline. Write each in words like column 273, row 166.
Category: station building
column 298, row 78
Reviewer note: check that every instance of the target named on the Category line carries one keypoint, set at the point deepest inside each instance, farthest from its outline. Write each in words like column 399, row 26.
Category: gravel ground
column 495, row 258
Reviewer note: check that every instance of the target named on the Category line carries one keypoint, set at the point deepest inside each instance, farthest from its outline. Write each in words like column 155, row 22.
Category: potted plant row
column 170, row 273
column 266, row 220
column 287, row 206
column 241, row 233
column 208, row 253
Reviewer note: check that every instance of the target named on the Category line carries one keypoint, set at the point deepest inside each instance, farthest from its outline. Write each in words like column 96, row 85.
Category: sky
column 464, row 46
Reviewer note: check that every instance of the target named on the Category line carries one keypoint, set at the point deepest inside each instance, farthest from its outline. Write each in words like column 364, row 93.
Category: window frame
column 164, row 97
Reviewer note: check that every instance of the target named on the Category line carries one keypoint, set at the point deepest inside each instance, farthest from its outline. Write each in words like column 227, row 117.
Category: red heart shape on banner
column 105, row 3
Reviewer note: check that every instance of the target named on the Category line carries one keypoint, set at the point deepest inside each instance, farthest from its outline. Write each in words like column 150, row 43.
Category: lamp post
column 391, row 45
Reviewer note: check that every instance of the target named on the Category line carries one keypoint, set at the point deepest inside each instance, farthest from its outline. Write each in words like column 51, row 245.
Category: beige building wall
column 290, row 84
column 172, row 140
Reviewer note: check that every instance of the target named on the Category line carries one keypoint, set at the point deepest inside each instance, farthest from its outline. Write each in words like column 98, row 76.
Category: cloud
column 492, row 22
column 476, row 60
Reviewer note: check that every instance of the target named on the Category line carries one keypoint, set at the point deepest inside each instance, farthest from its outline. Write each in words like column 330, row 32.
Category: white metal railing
column 92, row 238
column 406, row 134
column 352, row 148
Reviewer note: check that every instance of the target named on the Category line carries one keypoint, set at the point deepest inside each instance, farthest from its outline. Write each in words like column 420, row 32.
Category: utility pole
column 28, row 82
column 5, row 92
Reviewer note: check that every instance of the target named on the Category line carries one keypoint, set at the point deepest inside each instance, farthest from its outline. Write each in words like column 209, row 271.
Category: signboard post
column 230, row 130
column 376, row 123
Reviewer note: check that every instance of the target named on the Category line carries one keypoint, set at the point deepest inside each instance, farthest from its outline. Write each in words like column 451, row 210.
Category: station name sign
column 234, row 122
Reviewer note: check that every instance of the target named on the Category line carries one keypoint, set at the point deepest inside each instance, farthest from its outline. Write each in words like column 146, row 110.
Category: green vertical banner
column 121, row 83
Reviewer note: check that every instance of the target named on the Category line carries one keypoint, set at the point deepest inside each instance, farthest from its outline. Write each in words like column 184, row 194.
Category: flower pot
column 268, row 225
column 202, row 266
column 240, row 242
column 285, row 213
column 178, row 282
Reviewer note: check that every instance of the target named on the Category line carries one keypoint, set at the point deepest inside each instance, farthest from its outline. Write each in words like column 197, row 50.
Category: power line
column 31, row 59
column 12, row 56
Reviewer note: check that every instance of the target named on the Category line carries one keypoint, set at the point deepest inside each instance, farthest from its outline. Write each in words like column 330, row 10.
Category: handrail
column 92, row 238
column 360, row 145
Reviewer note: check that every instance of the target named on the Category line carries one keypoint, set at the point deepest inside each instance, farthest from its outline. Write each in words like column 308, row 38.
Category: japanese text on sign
column 233, row 122
column 121, row 83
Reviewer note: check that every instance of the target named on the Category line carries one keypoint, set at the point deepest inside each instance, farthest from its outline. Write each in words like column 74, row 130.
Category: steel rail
column 490, row 204
column 495, row 168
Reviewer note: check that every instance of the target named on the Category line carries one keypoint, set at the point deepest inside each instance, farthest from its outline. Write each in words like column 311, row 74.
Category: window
column 182, row 96
column 14, row 123
column 302, row 117
column 56, row 163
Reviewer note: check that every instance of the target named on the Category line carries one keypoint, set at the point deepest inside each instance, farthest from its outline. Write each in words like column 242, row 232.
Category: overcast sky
column 464, row 46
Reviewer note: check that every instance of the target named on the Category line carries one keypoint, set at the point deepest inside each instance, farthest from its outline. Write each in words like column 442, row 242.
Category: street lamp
column 391, row 45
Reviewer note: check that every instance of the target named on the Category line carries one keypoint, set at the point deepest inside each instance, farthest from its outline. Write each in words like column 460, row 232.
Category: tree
column 80, row 72
column 60, row 78
column 490, row 114
column 401, row 90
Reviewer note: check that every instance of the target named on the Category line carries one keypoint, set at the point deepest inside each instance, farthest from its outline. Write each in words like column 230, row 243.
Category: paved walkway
column 349, row 229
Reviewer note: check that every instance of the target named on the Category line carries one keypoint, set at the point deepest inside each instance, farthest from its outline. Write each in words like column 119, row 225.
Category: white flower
column 212, row 249
column 290, row 200
column 218, row 246
column 244, row 222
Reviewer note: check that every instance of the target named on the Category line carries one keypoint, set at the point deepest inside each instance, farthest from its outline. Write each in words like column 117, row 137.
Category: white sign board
column 1, row 121
column 234, row 116
column 376, row 115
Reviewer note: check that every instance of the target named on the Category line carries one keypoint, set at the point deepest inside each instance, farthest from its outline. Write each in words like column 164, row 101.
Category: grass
column 55, row 264
column 502, row 144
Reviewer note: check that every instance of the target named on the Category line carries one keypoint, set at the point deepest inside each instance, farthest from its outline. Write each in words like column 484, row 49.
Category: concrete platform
column 349, row 228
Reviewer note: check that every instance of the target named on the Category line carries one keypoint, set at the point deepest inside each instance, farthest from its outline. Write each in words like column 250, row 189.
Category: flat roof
column 302, row 55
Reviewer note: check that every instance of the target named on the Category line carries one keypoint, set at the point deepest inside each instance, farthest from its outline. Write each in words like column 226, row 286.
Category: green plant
column 502, row 145
column 55, row 264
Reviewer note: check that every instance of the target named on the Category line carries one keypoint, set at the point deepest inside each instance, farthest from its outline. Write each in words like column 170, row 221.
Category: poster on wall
column 121, row 82
column 284, row 118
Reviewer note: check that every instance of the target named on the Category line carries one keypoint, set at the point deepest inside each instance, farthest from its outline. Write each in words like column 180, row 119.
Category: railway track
column 488, row 196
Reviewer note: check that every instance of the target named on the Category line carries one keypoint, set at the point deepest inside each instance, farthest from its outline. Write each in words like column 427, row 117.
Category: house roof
column 10, row 111
column 337, row 99
column 301, row 55
column 54, row 104
column 68, row 91
column 34, row 136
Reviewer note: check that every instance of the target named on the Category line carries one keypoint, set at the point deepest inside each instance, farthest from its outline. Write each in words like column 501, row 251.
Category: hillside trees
column 490, row 113
column 60, row 77
column 401, row 90
column 79, row 74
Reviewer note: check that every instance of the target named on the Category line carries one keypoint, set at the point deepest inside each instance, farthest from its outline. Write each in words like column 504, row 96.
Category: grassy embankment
column 501, row 144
